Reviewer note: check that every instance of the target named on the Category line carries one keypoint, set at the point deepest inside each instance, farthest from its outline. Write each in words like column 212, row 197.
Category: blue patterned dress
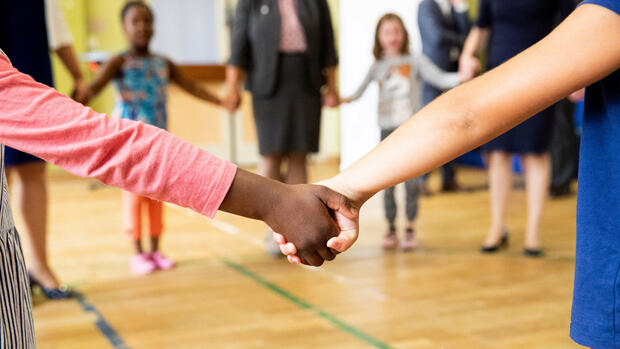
column 141, row 88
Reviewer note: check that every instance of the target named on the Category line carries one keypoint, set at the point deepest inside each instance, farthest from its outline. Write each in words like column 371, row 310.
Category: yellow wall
column 102, row 18
column 95, row 25
column 74, row 14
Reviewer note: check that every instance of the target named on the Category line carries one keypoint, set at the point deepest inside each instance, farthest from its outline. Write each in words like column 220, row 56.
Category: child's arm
column 431, row 73
column 106, row 73
column 370, row 76
column 191, row 86
column 480, row 110
column 150, row 161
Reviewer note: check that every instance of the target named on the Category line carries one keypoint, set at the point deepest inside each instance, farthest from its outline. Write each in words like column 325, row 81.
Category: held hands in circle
column 469, row 66
column 336, row 235
column 232, row 99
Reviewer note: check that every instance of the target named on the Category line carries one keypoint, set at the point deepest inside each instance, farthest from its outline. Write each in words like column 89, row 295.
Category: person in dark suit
column 444, row 25
column 285, row 50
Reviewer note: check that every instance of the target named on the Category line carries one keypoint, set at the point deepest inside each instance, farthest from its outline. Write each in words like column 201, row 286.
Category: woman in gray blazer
column 285, row 50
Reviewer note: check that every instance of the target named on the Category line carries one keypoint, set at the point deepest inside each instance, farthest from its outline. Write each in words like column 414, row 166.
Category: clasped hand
column 318, row 225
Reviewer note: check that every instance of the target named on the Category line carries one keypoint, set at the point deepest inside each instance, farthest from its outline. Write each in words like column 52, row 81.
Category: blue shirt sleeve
column 613, row 5
column 485, row 15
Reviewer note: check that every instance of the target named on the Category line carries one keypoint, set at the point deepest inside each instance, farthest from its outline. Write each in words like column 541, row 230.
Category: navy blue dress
column 515, row 26
column 23, row 37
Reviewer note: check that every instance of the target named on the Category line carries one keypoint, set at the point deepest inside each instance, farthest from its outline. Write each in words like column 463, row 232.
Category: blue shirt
column 142, row 90
column 596, row 299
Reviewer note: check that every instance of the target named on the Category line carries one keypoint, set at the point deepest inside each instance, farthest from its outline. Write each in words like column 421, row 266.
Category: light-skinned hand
column 331, row 98
column 232, row 99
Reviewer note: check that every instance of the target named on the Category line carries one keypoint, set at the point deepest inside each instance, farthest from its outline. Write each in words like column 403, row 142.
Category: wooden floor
column 226, row 293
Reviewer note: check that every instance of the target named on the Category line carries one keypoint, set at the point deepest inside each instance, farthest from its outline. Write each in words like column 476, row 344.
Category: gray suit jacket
column 255, row 42
column 440, row 34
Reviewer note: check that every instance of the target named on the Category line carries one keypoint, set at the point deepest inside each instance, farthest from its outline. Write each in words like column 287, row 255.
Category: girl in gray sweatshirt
column 399, row 75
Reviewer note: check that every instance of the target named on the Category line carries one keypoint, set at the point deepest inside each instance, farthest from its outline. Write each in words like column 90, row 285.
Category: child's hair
column 377, row 51
column 134, row 3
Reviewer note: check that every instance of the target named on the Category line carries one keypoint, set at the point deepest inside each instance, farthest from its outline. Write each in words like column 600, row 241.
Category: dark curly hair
column 134, row 3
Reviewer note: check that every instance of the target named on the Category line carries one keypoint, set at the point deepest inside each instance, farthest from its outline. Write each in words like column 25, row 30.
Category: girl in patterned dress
column 141, row 80
column 399, row 76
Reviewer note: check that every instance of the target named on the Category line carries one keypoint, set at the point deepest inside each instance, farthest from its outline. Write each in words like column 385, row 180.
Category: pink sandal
column 161, row 261
column 142, row 264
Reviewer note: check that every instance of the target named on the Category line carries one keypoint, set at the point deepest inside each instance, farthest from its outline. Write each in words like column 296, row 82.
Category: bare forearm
column 330, row 74
column 482, row 109
column 198, row 91
column 69, row 60
column 234, row 75
column 251, row 195
column 476, row 40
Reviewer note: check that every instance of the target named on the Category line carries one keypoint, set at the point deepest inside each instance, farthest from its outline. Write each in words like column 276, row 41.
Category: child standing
column 141, row 80
column 399, row 76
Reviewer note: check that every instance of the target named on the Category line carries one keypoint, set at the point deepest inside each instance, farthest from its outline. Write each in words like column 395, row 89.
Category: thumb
column 349, row 231
column 343, row 241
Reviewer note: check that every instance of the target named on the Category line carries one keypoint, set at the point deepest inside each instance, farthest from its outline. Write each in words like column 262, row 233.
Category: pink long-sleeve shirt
column 140, row 158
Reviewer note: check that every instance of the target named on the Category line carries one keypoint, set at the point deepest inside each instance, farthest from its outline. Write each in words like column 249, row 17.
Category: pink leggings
column 132, row 215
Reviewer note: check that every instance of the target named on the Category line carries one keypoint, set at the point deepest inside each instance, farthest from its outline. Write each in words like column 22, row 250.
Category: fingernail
column 332, row 243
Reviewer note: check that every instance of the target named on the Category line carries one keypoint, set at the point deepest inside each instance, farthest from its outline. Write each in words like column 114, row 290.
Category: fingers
column 313, row 259
column 231, row 100
column 293, row 259
column 278, row 238
column 288, row 249
column 326, row 254
column 343, row 241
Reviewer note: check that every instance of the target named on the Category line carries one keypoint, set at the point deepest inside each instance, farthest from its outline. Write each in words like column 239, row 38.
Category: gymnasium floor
column 226, row 293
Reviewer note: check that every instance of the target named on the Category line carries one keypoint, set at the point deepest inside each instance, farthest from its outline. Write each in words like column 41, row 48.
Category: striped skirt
column 16, row 326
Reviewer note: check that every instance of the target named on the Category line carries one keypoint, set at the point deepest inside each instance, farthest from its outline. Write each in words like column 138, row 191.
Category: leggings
column 412, row 188
column 132, row 215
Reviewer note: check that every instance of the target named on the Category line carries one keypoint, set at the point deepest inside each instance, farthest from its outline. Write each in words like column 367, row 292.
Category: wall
column 96, row 26
column 358, row 130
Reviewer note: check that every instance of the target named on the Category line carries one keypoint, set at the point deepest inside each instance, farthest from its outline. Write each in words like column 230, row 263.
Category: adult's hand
column 469, row 66
column 232, row 99
column 81, row 91
column 331, row 98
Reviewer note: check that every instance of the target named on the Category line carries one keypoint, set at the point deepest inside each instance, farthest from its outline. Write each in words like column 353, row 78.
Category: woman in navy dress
column 506, row 28
column 29, row 29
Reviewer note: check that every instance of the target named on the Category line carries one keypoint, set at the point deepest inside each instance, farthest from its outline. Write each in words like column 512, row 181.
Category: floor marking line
column 353, row 331
column 102, row 324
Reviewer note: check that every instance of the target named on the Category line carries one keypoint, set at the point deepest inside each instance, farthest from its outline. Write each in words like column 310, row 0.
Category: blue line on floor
column 102, row 324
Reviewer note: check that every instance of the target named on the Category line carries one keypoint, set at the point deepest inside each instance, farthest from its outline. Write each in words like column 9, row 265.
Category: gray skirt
column 289, row 120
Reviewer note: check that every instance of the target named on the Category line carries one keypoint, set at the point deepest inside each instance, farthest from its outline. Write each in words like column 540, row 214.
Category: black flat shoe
column 63, row 292
column 503, row 243
column 533, row 252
